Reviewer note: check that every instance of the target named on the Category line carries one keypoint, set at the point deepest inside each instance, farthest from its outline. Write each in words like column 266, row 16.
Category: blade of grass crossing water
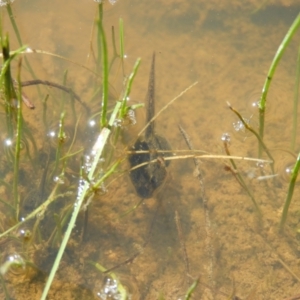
column 18, row 144
column 17, row 33
column 271, row 72
column 290, row 192
column 296, row 99
column 104, row 55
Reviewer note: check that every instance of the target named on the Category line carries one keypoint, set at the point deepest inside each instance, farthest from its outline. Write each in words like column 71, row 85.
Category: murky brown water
column 227, row 47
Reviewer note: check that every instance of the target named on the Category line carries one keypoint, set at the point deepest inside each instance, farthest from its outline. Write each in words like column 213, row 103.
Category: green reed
column 290, row 193
column 13, row 116
column 262, row 102
column 6, row 85
column 18, row 144
column 191, row 289
column 17, row 33
column 296, row 99
column 61, row 136
column 122, row 47
column 105, row 76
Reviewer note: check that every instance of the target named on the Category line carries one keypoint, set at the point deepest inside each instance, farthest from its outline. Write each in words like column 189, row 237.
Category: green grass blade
column 290, row 192
column 123, row 110
column 296, row 99
column 96, row 154
column 18, row 144
column 271, row 72
column 191, row 289
column 17, row 33
column 105, row 69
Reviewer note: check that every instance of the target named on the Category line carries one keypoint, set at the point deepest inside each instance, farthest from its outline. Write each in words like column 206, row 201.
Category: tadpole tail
column 151, row 100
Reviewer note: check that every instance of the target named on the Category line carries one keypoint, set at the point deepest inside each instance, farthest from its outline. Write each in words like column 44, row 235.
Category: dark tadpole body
column 148, row 178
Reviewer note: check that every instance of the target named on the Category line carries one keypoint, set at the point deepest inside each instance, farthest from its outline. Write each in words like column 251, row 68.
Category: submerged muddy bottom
column 208, row 228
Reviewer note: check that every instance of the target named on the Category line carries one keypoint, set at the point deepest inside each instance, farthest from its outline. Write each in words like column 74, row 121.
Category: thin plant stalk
column 259, row 138
column 60, row 141
column 38, row 211
column 115, row 54
column 45, row 107
column 17, row 33
column 97, row 151
column 290, row 192
column 191, row 289
column 240, row 179
column 270, row 75
column 18, row 144
column 6, row 81
column 104, row 55
column 99, row 33
column 296, row 99
column 77, row 206
column 64, row 83
column 123, row 110
column 122, row 47
column 124, row 107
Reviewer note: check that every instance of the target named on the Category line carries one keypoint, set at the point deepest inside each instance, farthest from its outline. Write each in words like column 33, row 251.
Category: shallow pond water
column 227, row 47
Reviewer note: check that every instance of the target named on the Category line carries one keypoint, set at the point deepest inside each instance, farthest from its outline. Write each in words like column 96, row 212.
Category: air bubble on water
column 13, row 260
column 117, row 123
column 255, row 104
column 5, row 2
column 109, row 290
column 25, row 234
column 112, row 2
column 81, row 187
column 59, row 179
column 260, row 165
column 8, row 142
column 87, row 163
column 51, row 134
column 225, row 137
column 238, row 126
column 288, row 170
column 251, row 173
column 92, row 123
column 131, row 116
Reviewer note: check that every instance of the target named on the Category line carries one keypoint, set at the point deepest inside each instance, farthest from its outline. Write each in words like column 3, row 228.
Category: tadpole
column 147, row 178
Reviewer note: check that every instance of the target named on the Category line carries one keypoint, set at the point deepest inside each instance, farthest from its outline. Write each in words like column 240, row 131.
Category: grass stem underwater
column 290, row 193
column 262, row 102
